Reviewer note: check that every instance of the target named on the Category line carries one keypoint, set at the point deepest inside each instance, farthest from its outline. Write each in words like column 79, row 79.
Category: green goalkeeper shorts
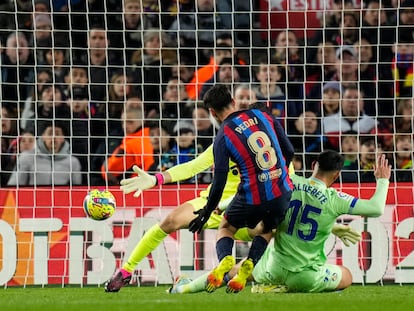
column 214, row 221
column 315, row 279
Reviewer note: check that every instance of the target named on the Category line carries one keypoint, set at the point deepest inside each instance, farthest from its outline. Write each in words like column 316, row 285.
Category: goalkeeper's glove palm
column 347, row 235
column 139, row 183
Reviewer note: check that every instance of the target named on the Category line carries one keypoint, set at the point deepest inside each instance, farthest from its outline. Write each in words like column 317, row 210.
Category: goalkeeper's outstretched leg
column 177, row 219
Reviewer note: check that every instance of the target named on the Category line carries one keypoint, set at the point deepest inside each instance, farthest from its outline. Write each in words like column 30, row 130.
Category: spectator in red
column 224, row 48
column 228, row 74
column 135, row 149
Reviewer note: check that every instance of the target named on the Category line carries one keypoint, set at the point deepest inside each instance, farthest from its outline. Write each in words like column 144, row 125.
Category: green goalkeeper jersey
column 202, row 162
column 299, row 240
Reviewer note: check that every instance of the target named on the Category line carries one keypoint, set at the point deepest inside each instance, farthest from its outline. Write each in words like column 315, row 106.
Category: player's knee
column 178, row 218
column 346, row 280
column 170, row 223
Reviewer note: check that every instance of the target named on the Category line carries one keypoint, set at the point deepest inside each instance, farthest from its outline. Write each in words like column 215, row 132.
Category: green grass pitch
column 366, row 298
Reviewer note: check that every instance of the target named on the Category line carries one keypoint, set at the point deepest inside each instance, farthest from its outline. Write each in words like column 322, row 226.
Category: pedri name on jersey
column 312, row 191
column 246, row 124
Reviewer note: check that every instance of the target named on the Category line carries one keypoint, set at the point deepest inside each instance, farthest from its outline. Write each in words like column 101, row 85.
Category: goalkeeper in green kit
column 295, row 261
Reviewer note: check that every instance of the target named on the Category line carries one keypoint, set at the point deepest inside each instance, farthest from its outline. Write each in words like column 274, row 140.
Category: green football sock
column 150, row 241
column 195, row 286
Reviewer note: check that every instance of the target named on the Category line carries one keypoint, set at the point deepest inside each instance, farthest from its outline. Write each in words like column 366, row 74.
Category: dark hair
column 79, row 92
column 223, row 46
column 224, row 35
column 367, row 139
column 200, row 105
column 217, row 98
column 330, row 161
column 354, row 87
column 405, row 35
column 266, row 60
column 261, row 105
column 42, row 125
column 55, row 87
column 349, row 133
column 46, row 69
column 187, row 59
column 228, row 61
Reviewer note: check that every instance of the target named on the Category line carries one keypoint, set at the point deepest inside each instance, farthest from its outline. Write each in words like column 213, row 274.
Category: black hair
column 42, row 125
column 228, row 60
column 79, row 92
column 224, row 35
column 405, row 35
column 261, row 105
column 217, row 98
column 46, row 69
column 223, row 46
column 330, row 161
column 200, row 105
column 55, row 87
column 367, row 139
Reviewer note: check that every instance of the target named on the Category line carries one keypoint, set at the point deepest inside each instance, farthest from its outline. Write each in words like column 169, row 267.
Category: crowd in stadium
column 91, row 88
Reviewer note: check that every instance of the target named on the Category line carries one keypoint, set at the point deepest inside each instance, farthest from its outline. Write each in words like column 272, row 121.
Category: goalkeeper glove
column 347, row 235
column 197, row 223
column 141, row 182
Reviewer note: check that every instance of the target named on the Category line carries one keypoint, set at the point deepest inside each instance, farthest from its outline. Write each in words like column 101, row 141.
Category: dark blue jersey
column 255, row 141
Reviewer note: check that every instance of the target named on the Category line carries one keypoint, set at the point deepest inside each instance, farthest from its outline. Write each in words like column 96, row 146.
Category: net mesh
column 80, row 79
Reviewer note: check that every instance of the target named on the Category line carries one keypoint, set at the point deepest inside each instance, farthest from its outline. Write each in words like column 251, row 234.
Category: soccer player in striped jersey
column 257, row 143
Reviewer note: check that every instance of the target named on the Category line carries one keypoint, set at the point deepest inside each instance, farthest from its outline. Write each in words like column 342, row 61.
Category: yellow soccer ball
column 99, row 204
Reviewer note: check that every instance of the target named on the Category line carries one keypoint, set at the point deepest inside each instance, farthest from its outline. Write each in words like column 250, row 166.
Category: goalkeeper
column 296, row 259
column 177, row 219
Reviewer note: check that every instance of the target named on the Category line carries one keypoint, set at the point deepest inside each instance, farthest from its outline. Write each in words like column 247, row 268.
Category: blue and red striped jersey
column 256, row 142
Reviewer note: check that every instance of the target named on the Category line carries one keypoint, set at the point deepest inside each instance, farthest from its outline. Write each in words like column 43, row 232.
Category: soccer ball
column 99, row 204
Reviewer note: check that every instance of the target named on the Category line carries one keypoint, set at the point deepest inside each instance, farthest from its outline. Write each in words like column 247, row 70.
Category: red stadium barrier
column 45, row 237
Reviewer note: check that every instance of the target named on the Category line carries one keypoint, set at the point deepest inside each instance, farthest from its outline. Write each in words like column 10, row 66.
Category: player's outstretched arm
column 189, row 169
column 375, row 206
column 141, row 182
column 382, row 169
column 179, row 172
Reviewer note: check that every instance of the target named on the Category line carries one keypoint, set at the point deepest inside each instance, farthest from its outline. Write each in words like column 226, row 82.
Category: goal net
column 91, row 88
